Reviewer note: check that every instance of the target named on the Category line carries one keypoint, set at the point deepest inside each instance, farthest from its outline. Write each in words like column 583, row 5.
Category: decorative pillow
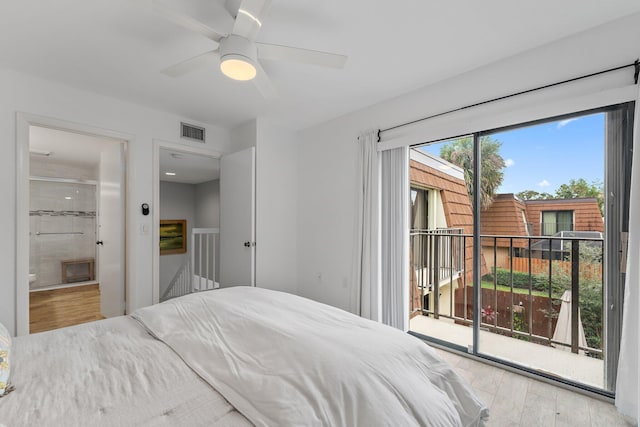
column 5, row 349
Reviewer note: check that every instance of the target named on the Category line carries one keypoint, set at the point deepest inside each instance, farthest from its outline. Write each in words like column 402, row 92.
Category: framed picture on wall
column 173, row 236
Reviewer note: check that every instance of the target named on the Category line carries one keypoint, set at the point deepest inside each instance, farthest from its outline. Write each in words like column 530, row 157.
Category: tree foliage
column 575, row 188
column 460, row 153
column 580, row 188
column 533, row 195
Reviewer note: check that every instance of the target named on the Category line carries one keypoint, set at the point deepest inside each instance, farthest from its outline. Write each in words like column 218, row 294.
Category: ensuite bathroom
column 62, row 222
column 76, row 201
column 62, row 232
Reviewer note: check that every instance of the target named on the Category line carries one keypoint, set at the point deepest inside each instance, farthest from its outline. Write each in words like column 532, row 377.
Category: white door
column 110, row 242
column 237, row 218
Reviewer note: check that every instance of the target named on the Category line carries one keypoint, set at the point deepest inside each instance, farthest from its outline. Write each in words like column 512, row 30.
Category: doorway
column 189, row 212
column 219, row 247
column 70, row 223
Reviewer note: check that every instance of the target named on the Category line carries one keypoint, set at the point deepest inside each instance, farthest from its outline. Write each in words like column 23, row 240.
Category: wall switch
column 144, row 229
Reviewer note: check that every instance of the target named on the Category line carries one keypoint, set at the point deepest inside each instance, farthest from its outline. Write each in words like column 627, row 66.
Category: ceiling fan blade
column 186, row 21
column 249, row 17
column 191, row 64
column 303, row 56
column 263, row 83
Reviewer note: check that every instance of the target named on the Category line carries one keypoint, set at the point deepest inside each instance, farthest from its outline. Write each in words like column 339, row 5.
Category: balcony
column 528, row 315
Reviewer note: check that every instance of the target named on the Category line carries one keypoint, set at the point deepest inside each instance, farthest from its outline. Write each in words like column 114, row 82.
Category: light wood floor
column 516, row 400
column 58, row 308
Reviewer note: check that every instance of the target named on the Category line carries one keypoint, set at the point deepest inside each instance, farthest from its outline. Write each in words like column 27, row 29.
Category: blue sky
column 543, row 157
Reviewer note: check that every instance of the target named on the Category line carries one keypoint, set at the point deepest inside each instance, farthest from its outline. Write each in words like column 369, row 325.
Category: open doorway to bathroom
column 188, row 222
column 76, row 228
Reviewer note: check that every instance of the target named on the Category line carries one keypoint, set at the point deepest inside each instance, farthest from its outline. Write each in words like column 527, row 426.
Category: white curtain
column 628, row 381
column 366, row 301
column 394, row 237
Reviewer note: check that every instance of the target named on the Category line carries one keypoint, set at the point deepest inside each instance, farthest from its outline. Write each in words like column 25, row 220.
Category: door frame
column 23, row 122
column 158, row 145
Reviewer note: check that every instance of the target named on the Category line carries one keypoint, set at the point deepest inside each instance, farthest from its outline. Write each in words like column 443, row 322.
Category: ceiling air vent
column 192, row 132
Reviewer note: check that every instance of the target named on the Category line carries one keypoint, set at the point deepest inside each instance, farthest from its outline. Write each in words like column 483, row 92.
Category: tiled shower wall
column 62, row 225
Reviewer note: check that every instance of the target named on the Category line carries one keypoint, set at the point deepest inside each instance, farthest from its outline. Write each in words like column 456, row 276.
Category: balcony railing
column 437, row 254
column 520, row 297
column 437, row 257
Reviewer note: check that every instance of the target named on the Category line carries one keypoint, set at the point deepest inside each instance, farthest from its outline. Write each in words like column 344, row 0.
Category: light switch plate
column 144, row 229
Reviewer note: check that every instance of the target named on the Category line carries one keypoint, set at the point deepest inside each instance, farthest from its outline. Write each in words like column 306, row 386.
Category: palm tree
column 460, row 153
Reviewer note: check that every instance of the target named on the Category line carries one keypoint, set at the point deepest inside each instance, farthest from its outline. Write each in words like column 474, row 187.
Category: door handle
column 100, row 242
column 249, row 244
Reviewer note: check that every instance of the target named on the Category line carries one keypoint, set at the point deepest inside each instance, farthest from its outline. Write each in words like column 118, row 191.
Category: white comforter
column 107, row 373
column 283, row 360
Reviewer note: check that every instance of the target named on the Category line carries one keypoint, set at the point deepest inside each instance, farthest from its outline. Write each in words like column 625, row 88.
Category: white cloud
column 544, row 183
column 509, row 162
column 563, row 123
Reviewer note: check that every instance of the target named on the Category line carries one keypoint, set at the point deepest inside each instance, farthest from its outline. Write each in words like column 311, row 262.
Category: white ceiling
column 67, row 147
column 117, row 47
column 188, row 168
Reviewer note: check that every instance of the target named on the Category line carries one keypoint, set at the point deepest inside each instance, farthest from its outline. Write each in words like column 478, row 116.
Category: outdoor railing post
column 575, row 289
column 464, row 275
column 436, row 276
column 530, row 326
column 549, row 316
column 511, row 283
column 451, row 292
column 495, row 281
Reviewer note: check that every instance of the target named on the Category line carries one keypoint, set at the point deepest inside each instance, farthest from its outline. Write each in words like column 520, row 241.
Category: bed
column 234, row 357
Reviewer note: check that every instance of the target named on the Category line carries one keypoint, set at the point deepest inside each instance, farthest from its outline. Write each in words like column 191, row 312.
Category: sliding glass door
column 544, row 236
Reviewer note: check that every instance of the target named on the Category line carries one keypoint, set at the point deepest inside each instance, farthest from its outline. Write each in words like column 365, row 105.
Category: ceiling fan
column 236, row 29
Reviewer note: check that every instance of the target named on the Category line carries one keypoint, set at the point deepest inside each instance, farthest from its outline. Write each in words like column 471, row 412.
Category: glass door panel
column 542, row 290
column 441, row 243
column 549, row 285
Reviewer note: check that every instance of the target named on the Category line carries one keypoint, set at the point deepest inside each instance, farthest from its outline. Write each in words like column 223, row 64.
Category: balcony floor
column 576, row 367
column 515, row 400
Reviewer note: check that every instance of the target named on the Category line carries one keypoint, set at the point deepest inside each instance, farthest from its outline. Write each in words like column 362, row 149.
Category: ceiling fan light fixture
column 238, row 58
column 238, row 67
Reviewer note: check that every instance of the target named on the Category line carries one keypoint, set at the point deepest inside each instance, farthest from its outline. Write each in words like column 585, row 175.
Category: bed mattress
column 237, row 356
column 108, row 373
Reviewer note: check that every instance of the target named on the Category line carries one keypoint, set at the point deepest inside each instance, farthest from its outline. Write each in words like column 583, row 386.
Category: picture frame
column 173, row 236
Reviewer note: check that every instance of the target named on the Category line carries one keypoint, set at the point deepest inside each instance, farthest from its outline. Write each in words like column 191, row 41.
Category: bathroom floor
column 58, row 308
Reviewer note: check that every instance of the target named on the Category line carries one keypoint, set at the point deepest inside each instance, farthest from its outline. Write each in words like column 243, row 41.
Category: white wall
column 23, row 93
column 207, row 204
column 244, row 135
column 327, row 153
column 276, row 208
column 177, row 201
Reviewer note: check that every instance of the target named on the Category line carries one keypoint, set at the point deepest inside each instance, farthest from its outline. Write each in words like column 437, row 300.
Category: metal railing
column 437, row 256
column 522, row 304
column 199, row 271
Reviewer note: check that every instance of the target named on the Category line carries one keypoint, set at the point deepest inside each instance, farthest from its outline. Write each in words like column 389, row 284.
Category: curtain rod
column 636, row 73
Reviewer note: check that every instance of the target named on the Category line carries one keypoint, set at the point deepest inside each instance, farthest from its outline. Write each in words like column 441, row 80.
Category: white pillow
column 5, row 350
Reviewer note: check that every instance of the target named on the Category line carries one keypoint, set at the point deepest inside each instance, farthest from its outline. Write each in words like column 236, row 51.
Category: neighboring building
column 549, row 217
column 440, row 207
column 510, row 216
column 507, row 216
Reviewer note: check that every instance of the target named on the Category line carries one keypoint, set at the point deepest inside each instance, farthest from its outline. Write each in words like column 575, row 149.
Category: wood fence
column 538, row 314
column 541, row 266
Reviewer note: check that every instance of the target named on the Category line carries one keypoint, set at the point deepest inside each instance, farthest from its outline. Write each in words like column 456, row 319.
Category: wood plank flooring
column 516, row 400
column 58, row 308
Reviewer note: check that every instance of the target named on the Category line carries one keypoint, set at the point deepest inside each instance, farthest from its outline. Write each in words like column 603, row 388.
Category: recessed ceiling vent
column 192, row 132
